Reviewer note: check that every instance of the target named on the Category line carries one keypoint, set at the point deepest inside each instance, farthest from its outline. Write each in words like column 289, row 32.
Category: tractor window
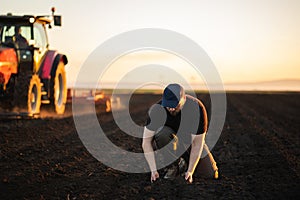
column 8, row 31
column 40, row 36
column 25, row 31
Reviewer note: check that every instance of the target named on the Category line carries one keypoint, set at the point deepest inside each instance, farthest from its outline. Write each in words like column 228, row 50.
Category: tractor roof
column 25, row 19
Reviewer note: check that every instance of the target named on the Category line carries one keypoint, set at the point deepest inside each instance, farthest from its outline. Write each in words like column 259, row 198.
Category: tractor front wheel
column 27, row 93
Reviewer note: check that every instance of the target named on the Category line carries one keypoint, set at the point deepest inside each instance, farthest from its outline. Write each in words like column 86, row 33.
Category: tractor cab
column 28, row 36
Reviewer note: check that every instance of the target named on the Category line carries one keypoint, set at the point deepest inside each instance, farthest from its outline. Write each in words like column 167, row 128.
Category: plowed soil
column 257, row 154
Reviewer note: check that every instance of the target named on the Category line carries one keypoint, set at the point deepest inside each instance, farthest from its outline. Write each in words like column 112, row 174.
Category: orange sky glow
column 248, row 41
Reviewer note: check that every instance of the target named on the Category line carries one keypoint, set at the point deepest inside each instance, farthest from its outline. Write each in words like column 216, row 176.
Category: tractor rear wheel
column 59, row 89
column 27, row 93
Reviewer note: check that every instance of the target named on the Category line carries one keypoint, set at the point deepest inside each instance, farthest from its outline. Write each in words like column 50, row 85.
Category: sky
column 247, row 40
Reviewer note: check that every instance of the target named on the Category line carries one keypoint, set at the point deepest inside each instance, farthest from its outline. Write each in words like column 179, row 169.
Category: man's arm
column 196, row 151
column 148, row 152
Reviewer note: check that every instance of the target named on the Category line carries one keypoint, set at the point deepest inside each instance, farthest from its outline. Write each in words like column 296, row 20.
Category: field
column 258, row 155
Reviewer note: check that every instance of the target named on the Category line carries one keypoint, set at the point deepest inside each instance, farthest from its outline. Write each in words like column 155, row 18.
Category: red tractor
column 30, row 73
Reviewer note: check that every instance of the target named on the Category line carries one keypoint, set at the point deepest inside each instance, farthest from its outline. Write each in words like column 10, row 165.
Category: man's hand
column 196, row 151
column 154, row 176
column 189, row 177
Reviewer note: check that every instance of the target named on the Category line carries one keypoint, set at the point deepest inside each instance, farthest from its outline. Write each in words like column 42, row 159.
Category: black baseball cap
column 172, row 95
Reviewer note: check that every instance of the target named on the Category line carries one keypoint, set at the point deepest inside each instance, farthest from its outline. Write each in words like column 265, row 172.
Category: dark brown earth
column 258, row 155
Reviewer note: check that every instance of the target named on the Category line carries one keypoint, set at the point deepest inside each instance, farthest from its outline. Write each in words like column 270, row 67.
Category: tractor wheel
column 27, row 93
column 59, row 85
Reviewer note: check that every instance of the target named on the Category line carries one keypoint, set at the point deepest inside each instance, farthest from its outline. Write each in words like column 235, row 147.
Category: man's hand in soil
column 154, row 176
column 189, row 177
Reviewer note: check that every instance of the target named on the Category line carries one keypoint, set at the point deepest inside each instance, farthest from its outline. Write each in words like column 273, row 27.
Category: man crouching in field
column 177, row 121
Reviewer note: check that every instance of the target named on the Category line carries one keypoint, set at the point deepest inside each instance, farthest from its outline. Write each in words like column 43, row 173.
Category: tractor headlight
column 31, row 19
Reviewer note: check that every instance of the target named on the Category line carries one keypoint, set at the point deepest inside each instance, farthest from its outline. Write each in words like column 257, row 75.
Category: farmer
column 19, row 38
column 180, row 122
